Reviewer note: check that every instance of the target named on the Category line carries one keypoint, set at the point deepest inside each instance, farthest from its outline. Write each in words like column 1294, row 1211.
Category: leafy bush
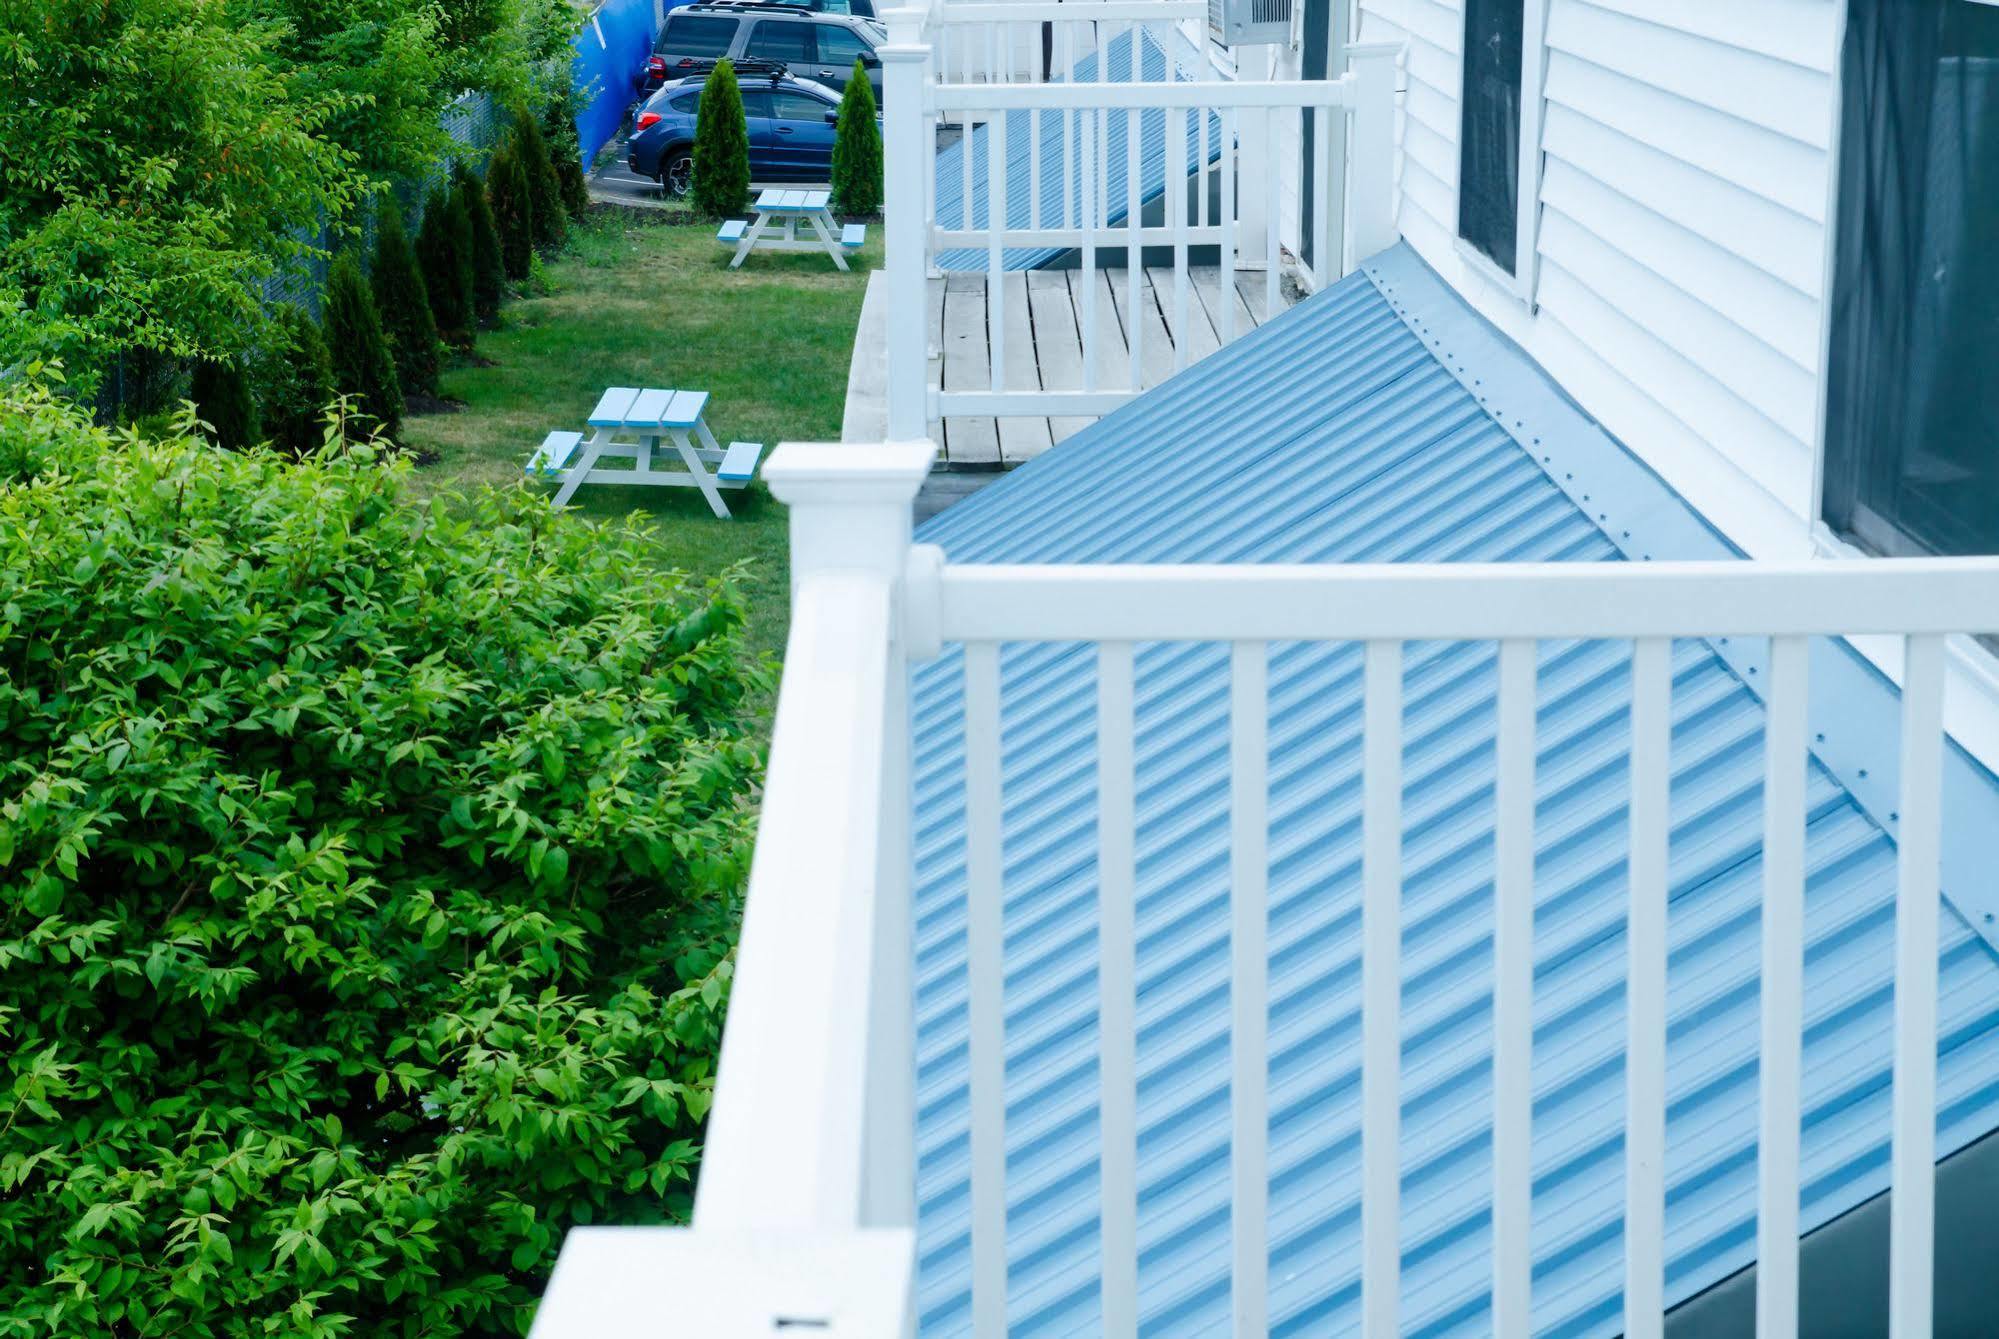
column 403, row 303
column 857, row 149
column 551, row 216
column 369, row 873
column 359, row 351
column 295, row 383
column 221, row 394
column 721, row 145
column 489, row 272
column 444, row 254
column 512, row 199
column 138, row 211
column 559, row 129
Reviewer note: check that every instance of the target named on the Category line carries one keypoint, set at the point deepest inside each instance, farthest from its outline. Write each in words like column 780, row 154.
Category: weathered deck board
column 1044, row 313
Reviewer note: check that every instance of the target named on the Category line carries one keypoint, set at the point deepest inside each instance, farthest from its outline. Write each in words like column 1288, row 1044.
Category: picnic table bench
column 630, row 423
column 786, row 209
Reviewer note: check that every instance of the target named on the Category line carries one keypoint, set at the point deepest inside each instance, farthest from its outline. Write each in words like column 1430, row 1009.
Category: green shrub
column 357, row 348
column 857, row 149
column 295, row 383
column 489, row 272
column 444, row 255
column 721, row 146
column 221, row 394
column 508, row 190
column 551, row 216
column 403, row 303
column 558, row 126
column 370, row 872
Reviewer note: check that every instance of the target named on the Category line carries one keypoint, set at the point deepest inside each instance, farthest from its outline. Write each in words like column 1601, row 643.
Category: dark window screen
column 1489, row 142
column 692, row 36
column 1912, row 381
column 786, row 40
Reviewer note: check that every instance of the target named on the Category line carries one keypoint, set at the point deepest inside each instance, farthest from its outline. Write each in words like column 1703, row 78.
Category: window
column 1912, row 395
column 687, row 103
column 787, row 105
column 1489, row 135
column 841, row 46
column 781, row 39
column 756, row 102
column 688, row 35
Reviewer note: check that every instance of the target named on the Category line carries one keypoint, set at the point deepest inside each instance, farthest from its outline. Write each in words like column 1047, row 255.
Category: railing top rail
column 1071, row 11
column 1463, row 601
column 1207, row 94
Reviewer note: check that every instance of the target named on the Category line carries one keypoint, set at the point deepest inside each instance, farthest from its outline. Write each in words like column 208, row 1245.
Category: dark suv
column 791, row 123
column 819, row 45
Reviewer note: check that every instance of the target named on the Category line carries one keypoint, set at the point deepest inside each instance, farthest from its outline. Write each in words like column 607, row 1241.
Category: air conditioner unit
column 1249, row 22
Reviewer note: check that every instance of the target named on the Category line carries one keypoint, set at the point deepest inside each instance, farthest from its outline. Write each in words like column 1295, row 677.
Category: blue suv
column 790, row 122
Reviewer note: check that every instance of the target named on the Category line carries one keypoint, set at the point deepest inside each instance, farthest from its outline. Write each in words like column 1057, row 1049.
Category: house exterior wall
column 1678, row 273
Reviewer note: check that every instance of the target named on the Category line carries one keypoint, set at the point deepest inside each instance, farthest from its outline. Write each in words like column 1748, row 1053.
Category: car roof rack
column 793, row 5
column 754, row 65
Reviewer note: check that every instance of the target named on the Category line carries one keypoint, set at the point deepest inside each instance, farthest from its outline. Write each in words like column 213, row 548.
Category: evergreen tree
column 513, row 211
column 221, row 395
column 296, row 383
column 444, row 255
column 357, row 348
column 721, row 146
column 551, row 216
column 489, row 274
column 857, row 149
column 402, row 302
column 559, row 129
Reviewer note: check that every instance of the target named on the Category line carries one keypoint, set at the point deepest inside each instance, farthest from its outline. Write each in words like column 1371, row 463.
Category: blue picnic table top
column 780, row 200
column 632, row 407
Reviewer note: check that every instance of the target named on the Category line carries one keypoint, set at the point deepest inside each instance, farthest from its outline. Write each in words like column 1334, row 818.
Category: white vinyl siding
column 1681, row 239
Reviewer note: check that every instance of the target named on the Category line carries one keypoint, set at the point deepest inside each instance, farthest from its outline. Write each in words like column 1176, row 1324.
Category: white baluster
column 1645, row 991
column 1782, row 986
column 1381, row 994
column 1117, row 980
column 985, row 971
column 1249, row 986
column 1513, row 997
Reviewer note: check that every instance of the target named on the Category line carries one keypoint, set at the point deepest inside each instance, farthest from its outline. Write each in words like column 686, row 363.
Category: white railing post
column 806, row 1209
column 1252, row 162
column 1371, row 226
column 905, row 78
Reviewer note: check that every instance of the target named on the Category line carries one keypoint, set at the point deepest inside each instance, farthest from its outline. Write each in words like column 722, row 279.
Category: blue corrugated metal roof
column 1056, row 148
column 1343, row 436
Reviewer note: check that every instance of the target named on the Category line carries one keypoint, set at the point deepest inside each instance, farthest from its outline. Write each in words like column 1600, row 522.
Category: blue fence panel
column 614, row 44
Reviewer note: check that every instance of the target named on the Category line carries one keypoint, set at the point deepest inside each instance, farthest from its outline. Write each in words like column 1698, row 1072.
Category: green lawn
column 644, row 299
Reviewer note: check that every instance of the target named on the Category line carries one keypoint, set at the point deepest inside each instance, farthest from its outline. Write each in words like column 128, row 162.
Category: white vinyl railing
column 1148, row 157
column 810, row 1157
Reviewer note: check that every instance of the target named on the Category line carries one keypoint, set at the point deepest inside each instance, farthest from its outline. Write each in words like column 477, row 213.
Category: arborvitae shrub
column 402, row 303
column 721, row 146
column 359, row 351
column 508, row 191
column 857, row 149
column 371, row 886
column 295, row 383
column 221, row 394
column 559, row 129
column 489, row 271
column 551, row 216
column 444, row 254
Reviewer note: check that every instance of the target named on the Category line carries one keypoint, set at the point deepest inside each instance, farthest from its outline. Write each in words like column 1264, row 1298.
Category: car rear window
column 691, row 35
column 687, row 103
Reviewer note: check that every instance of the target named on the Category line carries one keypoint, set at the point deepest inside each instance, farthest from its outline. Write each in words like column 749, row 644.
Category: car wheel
column 677, row 177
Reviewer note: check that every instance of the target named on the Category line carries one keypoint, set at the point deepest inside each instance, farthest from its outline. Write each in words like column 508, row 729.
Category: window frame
column 1524, row 283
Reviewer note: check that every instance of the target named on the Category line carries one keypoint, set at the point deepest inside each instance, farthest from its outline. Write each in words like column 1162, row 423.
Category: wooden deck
column 1043, row 348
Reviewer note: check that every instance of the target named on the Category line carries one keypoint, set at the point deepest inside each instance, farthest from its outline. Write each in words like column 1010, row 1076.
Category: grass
column 647, row 299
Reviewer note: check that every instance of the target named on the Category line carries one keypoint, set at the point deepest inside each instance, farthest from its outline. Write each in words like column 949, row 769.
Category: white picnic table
column 787, row 209
column 630, row 422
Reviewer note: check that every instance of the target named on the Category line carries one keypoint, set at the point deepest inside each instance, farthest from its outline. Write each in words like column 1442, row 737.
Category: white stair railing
column 1094, row 151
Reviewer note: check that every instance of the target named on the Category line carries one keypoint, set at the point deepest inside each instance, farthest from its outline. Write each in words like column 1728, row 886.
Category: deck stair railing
column 1152, row 156
column 805, row 1202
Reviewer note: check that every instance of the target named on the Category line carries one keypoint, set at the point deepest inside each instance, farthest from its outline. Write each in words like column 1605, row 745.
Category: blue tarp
column 613, row 45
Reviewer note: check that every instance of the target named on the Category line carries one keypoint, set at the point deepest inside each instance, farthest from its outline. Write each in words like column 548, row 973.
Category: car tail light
column 656, row 65
column 645, row 119
column 687, row 62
